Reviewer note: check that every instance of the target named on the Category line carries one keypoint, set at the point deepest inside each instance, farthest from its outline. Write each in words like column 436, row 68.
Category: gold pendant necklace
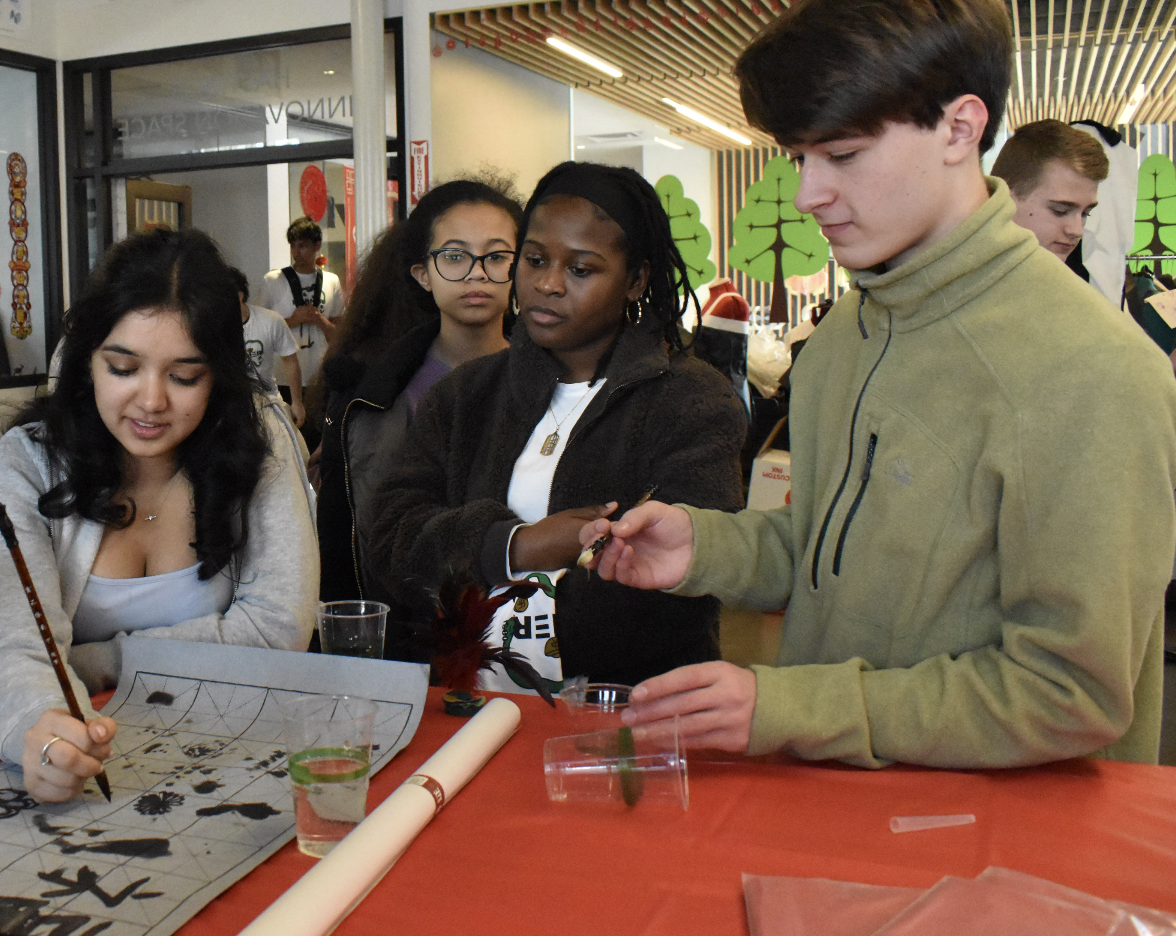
column 552, row 440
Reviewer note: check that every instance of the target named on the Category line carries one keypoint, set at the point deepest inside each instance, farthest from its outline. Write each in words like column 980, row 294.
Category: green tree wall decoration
column 773, row 240
column 690, row 234
column 1155, row 216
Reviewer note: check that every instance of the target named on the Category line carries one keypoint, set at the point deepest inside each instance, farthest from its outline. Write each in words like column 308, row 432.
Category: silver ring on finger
column 45, row 762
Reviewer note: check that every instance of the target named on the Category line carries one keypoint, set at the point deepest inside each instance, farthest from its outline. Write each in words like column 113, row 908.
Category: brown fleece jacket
column 660, row 419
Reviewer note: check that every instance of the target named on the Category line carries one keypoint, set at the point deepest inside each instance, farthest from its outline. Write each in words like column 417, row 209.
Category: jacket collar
column 639, row 354
column 953, row 271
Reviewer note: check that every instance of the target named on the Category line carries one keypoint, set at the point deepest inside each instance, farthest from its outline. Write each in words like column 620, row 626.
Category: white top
column 267, row 338
column 112, row 605
column 530, row 484
column 312, row 343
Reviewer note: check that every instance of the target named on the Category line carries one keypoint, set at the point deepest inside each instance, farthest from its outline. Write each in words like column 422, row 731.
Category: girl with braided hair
column 593, row 404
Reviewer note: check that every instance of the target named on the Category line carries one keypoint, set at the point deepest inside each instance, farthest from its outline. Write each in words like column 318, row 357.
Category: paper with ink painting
column 200, row 793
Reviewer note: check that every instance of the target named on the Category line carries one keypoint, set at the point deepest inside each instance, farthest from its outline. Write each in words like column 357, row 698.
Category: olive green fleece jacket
column 981, row 524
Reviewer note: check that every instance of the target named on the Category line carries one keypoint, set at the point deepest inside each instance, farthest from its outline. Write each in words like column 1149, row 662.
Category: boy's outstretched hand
column 652, row 546
column 714, row 703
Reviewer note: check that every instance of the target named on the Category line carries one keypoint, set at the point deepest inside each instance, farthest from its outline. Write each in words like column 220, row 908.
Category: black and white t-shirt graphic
column 255, row 351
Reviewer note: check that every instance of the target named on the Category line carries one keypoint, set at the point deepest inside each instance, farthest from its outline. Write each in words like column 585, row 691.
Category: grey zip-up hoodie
column 274, row 604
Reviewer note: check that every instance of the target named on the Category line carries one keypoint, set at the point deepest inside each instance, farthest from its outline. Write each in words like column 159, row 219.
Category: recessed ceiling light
column 1132, row 104
column 586, row 57
column 691, row 114
column 329, row 71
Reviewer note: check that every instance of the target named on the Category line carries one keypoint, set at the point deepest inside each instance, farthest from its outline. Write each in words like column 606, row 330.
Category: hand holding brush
column 77, row 752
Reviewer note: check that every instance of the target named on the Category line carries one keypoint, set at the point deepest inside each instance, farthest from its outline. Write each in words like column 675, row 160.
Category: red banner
column 349, row 225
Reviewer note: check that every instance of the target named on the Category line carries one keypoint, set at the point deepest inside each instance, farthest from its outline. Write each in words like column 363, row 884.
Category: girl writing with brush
column 593, row 403
column 154, row 492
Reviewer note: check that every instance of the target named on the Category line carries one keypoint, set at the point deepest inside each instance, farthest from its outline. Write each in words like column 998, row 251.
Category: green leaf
column 1155, row 214
column 772, row 239
column 687, row 229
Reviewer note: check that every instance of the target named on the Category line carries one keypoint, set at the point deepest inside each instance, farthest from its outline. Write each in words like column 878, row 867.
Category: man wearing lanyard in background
column 309, row 298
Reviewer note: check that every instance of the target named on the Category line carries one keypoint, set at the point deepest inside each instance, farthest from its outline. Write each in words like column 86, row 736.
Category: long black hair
column 387, row 302
column 160, row 271
column 668, row 293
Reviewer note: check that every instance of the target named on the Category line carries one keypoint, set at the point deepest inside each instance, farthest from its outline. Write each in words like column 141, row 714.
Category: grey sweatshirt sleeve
column 29, row 683
column 277, row 597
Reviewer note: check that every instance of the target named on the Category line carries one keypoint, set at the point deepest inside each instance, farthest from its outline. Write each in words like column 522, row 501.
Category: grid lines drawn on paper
column 200, row 797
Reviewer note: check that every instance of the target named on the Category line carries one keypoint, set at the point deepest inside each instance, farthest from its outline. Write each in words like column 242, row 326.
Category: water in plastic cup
column 620, row 765
column 330, row 745
column 353, row 628
column 595, row 706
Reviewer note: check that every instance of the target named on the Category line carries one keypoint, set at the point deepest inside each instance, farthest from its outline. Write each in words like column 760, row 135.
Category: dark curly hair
column 387, row 301
column 668, row 293
column 176, row 271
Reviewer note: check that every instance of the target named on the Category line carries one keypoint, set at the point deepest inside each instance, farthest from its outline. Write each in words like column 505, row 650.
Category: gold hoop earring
column 629, row 313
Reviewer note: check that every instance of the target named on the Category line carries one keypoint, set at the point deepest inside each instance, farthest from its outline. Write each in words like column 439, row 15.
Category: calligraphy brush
column 9, row 533
column 592, row 550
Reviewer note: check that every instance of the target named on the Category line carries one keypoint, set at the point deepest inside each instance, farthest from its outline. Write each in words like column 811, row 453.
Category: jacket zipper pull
column 861, row 322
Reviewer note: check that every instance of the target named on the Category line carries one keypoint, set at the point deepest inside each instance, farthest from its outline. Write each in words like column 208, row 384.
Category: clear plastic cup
column 353, row 628
column 620, row 765
column 596, row 706
column 329, row 739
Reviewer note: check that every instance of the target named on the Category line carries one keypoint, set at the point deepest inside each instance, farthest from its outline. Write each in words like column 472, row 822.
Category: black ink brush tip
column 8, row 531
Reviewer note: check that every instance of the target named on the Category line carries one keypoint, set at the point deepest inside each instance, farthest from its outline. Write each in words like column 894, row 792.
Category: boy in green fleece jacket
column 983, row 449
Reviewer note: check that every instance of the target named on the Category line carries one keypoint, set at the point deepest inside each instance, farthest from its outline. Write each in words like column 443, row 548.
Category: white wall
column 231, row 206
column 488, row 111
column 37, row 34
column 594, row 118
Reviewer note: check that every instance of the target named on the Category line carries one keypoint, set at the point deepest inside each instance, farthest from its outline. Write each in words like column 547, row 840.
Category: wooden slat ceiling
column 1079, row 59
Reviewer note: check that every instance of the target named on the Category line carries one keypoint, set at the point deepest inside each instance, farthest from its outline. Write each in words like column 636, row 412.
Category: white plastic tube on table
column 335, row 886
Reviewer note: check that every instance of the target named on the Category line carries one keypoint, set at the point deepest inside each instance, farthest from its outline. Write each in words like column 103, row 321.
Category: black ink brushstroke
column 128, row 848
column 13, row 802
column 158, row 804
column 253, row 811
column 22, row 915
column 87, row 882
column 45, row 828
column 207, row 786
column 159, row 697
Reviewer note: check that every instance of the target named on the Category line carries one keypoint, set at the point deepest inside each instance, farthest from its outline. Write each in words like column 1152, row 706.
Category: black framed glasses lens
column 456, row 264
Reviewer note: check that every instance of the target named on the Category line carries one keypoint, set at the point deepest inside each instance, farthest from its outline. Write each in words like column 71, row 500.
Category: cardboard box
column 771, row 480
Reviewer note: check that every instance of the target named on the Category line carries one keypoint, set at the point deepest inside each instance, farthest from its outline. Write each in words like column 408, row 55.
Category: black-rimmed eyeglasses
column 455, row 264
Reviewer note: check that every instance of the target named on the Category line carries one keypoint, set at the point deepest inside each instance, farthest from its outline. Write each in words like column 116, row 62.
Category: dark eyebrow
column 458, row 242
column 119, row 349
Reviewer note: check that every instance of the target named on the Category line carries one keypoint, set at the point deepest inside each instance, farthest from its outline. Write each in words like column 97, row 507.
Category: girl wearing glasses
column 431, row 295
column 593, row 404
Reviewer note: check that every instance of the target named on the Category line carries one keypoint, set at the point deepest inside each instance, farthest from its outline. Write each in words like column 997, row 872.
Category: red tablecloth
column 501, row 859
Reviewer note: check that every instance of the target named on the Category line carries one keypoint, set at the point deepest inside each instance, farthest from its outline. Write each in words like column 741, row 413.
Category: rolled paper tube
column 919, row 823
column 334, row 887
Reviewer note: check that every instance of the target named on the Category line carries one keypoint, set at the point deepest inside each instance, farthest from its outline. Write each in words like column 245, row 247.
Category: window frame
column 50, row 220
column 108, row 168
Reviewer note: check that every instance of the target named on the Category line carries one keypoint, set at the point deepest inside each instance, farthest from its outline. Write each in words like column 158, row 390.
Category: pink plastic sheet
column 998, row 901
column 791, row 906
